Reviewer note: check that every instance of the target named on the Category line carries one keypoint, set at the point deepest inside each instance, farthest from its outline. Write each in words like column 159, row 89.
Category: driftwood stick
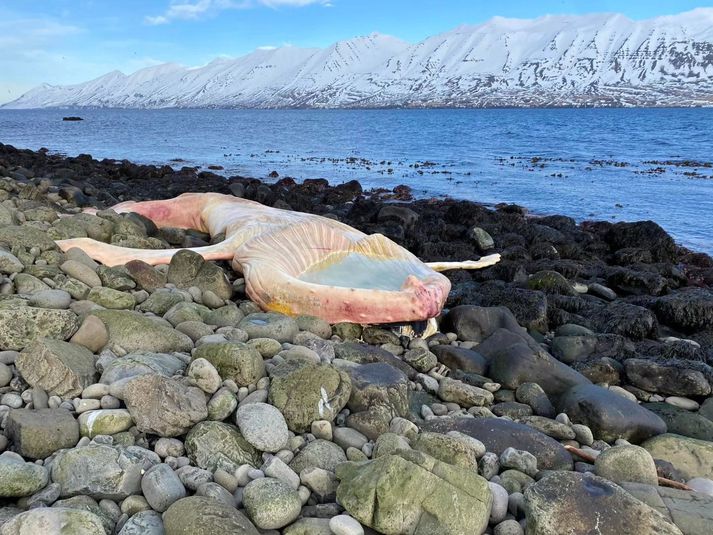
column 664, row 482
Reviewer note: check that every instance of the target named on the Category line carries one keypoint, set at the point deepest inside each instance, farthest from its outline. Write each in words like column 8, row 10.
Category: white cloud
column 197, row 9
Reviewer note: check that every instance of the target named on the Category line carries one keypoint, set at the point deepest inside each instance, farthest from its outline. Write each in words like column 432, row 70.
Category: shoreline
column 151, row 399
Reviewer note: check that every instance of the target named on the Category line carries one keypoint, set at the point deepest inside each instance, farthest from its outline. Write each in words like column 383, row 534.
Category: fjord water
column 612, row 164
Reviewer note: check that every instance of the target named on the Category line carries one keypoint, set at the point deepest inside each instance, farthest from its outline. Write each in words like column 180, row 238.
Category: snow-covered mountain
column 589, row 60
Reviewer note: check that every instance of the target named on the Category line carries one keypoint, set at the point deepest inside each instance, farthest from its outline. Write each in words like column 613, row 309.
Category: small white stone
column 683, row 403
column 345, row 525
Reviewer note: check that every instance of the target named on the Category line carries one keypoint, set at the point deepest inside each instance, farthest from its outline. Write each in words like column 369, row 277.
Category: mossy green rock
column 307, row 392
column 213, row 445
column 111, row 299
column 21, row 326
column 550, row 282
column 104, row 422
column 135, row 332
column 55, row 521
column 448, row 449
column 181, row 312
column 690, row 456
column 234, row 360
column 18, row 478
column 200, row 515
column 161, row 301
column 411, row 492
column 59, row 368
column 26, row 236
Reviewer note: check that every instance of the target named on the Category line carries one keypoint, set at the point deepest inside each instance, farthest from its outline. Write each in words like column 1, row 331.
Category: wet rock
column 682, row 421
column 550, row 282
column 609, row 415
column 163, row 406
column 472, row 323
column 570, row 349
column 662, row 379
column 515, row 360
column 499, row 434
column 460, row 358
column 689, row 310
column 429, row 496
column 38, row 433
column 644, row 235
column 627, row 320
column 379, row 393
column 583, row 503
column 59, row 368
column 691, row 457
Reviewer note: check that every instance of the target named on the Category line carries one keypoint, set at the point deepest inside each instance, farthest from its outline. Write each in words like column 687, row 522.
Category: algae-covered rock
column 234, row 360
column 134, row 332
column 411, row 492
column 213, row 445
column 199, row 515
column 18, row 478
column 20, row 326
column 308, row 392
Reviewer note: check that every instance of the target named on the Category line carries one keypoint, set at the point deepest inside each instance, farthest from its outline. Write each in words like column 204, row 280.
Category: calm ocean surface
column 613, row 164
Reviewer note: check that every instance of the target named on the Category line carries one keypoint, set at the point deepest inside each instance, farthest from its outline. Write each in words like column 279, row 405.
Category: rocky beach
column 568, row 389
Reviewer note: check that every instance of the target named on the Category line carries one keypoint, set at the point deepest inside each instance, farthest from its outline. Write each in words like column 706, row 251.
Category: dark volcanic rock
column 528, row 306
column 473, row 323
column 460, row 358
column 499, row 434
column 643, row 235
column 628, row 320
column 609, row 415
column 366, row 354
column 683, row 422
column 689, row 310
column 515, row 360
column 670, row 380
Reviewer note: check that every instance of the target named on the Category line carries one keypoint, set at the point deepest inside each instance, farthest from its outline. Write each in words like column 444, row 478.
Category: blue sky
column 70, row 41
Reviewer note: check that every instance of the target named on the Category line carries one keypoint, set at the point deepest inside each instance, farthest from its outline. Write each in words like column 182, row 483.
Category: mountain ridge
column 602, row 59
